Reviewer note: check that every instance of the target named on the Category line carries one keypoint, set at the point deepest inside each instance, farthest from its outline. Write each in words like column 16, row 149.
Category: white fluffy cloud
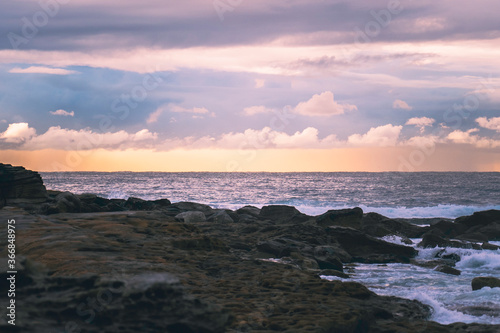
column 421, row 122
column 467, row 137
column 323, row 105
column 17, row 133
column 492, row 123
column 386, row 135
column 63, row 113
column 399, row 104
column 67, row 139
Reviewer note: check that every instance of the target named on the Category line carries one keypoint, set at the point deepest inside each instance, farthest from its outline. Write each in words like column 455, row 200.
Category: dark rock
column 485, row 281
column 377, row 225
column 333, row 272
column 448, row 228
column 282, row 214
column 279, row 247
column 447, row 270
column 367, row 249
column 19, row 186
column 192, row 206
column 431, row 240
column 327, row 258
column 249, row 210
column 343, row 217
column 200, row 244
column 191, row 216
column 482, row 218
column 139, row 204
column 488, row 246
column 144, row 302
column 220, row 216
column 67, row 202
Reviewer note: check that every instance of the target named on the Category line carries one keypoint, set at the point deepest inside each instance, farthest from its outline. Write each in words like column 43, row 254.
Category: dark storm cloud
column 81, row 25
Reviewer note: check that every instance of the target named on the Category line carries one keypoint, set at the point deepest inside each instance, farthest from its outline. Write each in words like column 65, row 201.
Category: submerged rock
column 485, row 281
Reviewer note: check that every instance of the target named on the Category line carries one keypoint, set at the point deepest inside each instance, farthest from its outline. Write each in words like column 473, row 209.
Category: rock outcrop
column 20, row 187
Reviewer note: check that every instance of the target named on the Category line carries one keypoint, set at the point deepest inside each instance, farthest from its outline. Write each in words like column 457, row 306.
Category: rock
column 115, row 304
column 192, row 206
column 249, row 210
column 367, row 249
column 488, row 246
column 377, row 225
column 19, row 186
column 327, row 259
column 191, row 216
column 139, row 204
column 220, row 216
column 333, row 272
column 67, row 202
column 485, row 281
column 447, row 270
column 431, row 240
column 282, row 214
column 343, row 217
column 279, row 247
column 482, row 218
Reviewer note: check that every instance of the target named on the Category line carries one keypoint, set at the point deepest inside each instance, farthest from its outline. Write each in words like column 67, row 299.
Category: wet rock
column 139, row 204
column 447, row 270
column 431, row 240
column 333, row 272
column 282, row 214
column 191, row 216
column 20, row 187
column 343, row 217
column 485, row 281
column 488, row 246
column 367, row 249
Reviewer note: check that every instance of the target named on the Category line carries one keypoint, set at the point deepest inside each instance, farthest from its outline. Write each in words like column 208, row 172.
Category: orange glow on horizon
column 374, row 159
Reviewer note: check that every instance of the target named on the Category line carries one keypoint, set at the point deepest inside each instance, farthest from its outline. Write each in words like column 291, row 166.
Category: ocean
column 393, row 194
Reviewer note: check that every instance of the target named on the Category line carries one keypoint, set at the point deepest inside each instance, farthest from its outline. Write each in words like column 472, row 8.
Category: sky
column 240, row 85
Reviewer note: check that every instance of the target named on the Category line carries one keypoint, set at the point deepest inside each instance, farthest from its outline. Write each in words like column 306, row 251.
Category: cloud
column 386, row 135
column 63, row 113
column 399, row 104
column 466, row 137
column 323, row 105
column 492, row 124
column 42, row 70
column 421, row 122
column 66, row 139
column 198, row 113
column 253, row 110
column 17, row 133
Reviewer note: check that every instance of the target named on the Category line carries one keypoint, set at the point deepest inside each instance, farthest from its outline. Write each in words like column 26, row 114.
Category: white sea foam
column 481, row 260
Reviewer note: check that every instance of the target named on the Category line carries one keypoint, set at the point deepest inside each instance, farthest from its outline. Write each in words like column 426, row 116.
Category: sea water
column 451, row 297
column 393, row 194
column 396, row 195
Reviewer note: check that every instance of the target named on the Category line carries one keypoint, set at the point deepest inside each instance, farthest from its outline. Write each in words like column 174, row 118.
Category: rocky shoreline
column 90, row 264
